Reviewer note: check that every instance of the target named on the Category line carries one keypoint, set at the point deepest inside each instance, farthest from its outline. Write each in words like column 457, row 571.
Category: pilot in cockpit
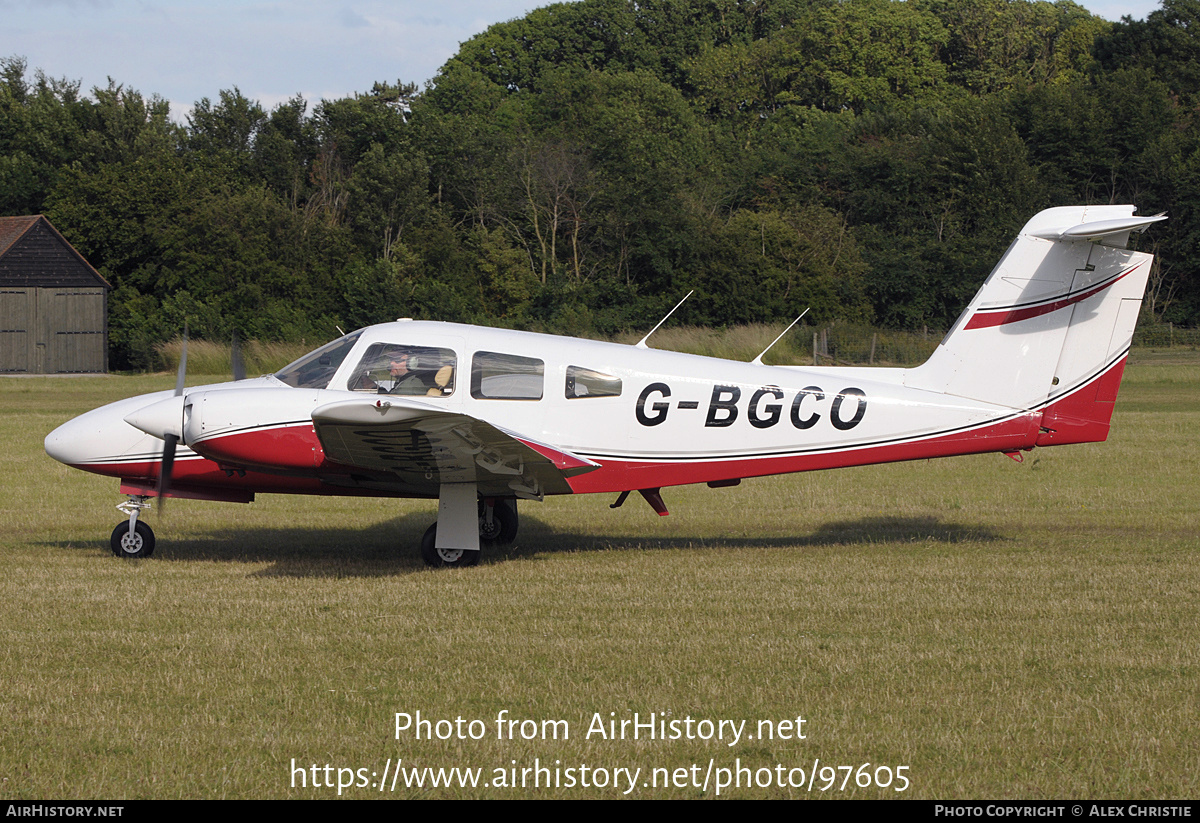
column 405, row 370
column 406, row 378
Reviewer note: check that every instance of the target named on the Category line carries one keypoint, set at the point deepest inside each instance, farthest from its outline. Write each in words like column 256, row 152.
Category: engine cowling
column 268, row 429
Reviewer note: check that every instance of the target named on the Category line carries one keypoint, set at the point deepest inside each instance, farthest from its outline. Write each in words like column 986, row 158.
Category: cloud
column 352, row 19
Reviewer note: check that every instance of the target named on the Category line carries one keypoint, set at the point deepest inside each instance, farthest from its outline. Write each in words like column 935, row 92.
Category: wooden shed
column 53, row 304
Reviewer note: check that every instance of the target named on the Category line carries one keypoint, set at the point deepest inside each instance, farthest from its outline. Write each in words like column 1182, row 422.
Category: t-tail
column 1051, row 327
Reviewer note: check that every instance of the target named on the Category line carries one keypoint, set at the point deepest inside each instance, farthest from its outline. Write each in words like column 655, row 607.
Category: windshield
column 315, row 369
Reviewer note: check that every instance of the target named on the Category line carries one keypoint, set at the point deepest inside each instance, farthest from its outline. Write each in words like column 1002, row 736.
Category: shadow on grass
column 541, row 538
column 391, row 548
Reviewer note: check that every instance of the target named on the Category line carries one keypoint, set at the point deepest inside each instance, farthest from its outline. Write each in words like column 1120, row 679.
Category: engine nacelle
column 227, row 427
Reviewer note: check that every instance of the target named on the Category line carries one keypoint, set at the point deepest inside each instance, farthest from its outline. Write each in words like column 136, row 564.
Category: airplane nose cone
column 159, row 419
column 100, row 437
column 81, row 440
column 61, row 443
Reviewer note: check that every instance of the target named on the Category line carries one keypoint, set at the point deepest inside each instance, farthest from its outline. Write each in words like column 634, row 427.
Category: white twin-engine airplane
column 479, row 418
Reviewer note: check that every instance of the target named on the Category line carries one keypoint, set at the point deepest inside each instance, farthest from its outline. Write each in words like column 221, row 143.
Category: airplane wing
column 422, row 447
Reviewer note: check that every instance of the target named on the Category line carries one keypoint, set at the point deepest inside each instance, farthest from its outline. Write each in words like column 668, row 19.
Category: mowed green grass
column 1004, row 630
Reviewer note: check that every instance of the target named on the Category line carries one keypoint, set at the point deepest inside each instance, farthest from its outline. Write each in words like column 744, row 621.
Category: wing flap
column 423, row 446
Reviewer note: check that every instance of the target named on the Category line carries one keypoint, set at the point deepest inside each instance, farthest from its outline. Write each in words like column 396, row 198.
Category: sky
column 184, row 50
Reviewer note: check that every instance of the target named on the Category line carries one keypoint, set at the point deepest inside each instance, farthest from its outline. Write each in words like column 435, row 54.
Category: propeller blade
column 166, row 469
column 170, row 441
column 239, row 368
column 182, row 364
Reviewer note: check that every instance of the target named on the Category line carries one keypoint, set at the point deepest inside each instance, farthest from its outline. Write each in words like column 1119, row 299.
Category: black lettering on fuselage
column 859, row 410
column 807, row 409
column 659, row 408
column 729, row 406
column 772, row 409
column 810, row 421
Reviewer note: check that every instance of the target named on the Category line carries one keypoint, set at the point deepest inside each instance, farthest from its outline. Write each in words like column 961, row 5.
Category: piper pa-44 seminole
column 480, row 418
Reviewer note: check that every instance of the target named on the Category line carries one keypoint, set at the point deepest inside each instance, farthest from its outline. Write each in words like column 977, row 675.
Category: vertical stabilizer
column 1052, row 325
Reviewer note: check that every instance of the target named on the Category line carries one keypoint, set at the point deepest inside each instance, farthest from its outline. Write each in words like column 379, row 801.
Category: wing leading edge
column 425, row 447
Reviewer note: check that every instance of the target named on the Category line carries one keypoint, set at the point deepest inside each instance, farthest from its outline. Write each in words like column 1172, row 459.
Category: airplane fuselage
column 657, row 419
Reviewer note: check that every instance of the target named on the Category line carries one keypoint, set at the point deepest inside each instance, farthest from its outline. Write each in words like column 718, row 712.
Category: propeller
column 235, row 357
column 170, row 439
column 161, row 418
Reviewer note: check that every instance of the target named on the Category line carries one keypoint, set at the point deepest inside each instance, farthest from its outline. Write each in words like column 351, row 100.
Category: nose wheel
column 133, row 538
column 135, row 542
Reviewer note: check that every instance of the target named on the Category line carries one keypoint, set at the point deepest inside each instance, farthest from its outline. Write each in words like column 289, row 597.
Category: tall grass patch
column 206, row 357
column 824, row 345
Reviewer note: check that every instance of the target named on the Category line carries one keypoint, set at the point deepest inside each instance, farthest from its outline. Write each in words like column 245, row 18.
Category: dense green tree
column 934, row 200
column 1166, row 43
column 767, row 264
column 40, row 132
column 656, row 36
column 580, row 168
column 284, row 148
column 869, row 53
column 994, row 45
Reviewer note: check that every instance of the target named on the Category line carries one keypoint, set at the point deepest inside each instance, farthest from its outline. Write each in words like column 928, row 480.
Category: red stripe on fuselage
column 1081, row 416
column 1018, row 432
column 988, row 318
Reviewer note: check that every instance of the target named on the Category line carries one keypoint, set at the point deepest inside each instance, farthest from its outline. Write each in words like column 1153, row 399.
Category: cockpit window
column 583, row 382
column 416, row 371
column 315, row 369
column 496, row 376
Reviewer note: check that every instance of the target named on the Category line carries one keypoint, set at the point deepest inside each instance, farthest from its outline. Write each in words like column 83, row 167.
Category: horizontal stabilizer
column 1099, row 228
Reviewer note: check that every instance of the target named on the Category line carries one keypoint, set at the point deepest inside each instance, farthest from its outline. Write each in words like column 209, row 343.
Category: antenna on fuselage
column 641, row 344
column 339, row 328
column 758, row 360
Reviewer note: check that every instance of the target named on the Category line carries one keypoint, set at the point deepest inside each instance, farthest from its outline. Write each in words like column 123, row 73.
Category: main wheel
column 503, row 528
column 138, row 544
column 434, row 556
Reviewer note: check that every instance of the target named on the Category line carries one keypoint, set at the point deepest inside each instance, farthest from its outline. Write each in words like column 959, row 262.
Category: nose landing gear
column 133, row 538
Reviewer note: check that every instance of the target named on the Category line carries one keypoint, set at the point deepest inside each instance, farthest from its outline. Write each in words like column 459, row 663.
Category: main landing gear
column 497, row 527
column 133, row 538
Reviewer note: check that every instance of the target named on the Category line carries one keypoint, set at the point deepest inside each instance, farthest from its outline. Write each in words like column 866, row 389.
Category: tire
column 138, row 544
column 441, row 558
column 503, row 528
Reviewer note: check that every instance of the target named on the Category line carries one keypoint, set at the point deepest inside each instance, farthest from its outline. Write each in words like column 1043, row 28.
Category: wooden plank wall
column 72, row 320
column 53, row 331
column 17, row 310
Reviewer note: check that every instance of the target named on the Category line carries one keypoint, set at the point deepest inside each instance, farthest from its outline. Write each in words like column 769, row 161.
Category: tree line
column 581, row 168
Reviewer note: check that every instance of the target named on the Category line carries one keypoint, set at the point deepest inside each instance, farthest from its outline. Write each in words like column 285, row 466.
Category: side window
column 415, row 371
column 496, row 376
column 583, row 382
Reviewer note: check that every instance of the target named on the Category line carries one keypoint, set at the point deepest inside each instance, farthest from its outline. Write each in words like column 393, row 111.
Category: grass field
column 1002, row 630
